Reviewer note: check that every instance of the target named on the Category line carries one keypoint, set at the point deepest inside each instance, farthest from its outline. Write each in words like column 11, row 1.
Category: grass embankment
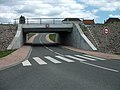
column 52, row 37
column 5, row 53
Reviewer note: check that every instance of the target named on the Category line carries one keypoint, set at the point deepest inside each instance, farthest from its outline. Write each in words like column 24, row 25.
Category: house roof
column 88, row 22
column 112, row 20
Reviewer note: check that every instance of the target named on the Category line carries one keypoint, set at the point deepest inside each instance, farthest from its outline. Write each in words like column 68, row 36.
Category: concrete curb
column 16, row 57
column 98, row 54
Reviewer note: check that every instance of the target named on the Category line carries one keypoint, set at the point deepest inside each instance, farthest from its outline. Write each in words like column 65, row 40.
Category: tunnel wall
column 17, row 42
column 76, row 38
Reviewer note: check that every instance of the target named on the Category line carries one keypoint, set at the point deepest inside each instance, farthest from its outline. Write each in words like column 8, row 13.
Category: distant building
column 111, row 20
column 89, row 22
column 71, row 20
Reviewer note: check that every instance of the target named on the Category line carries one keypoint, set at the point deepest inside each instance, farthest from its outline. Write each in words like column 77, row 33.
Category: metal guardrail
column 44, row 20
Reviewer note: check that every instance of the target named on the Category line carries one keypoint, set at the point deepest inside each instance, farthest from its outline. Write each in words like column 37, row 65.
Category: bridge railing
column 44, row 21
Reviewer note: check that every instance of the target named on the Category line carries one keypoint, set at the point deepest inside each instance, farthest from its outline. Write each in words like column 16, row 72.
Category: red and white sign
column 47, row 25
column 106, row 31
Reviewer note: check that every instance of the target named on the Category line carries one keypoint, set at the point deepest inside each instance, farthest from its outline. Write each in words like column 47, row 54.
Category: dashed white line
column 58, row 53
column 51, row 50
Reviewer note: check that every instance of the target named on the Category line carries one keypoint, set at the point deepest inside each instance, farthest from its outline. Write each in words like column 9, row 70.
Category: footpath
column 93, row 53
column 16, row 57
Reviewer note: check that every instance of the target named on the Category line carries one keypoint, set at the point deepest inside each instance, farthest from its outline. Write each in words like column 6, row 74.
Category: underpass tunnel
column 42, row 39
column 67, row 34
column 59, row 38
column 70, row 36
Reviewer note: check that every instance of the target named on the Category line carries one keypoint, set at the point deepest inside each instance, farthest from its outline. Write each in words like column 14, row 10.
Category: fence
column 44, row 20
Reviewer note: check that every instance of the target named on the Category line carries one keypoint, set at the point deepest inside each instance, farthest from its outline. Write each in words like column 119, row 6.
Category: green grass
column 52, row 37
column 5, row 53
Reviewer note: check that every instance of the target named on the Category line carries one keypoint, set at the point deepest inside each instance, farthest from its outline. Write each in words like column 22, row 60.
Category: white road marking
column 65, row 59
column 26, row 63
column 52, row 59
column 46, row 47
column 49, row 48
column 85, row 57
column 109, row 69
column 79, row 59
column 58, row 54
column 94, row 57
column 39, row 60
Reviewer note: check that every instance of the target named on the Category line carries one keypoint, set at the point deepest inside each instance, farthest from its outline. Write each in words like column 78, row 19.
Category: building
column 111, row 20
column 69, row 20
column 89, row 22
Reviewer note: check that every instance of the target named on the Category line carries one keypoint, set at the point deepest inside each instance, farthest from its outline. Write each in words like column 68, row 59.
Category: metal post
column 106, row 43
column 53, row 20
column 14, row 21
column 40, row 21
column 27, row 21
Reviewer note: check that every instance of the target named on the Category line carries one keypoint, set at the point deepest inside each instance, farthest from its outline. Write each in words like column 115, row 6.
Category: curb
column 16, row 57
column 97, row 54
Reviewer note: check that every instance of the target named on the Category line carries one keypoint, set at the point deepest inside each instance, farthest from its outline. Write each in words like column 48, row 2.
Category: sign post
column 106, row 32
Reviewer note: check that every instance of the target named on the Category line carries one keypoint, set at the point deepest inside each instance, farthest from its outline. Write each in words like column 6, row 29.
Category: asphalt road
column 52, row 67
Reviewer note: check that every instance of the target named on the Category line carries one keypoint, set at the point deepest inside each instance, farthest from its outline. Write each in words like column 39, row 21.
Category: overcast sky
column 99, row 10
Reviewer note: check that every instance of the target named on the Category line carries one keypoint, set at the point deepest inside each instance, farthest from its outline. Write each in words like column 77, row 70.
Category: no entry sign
column 47, row 25
column 106, row 31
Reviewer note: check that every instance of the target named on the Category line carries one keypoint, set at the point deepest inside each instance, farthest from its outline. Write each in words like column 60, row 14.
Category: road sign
column 47, row 25
column 106, row 31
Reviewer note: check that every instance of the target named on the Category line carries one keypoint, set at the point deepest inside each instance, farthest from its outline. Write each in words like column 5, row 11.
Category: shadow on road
column 45, row 44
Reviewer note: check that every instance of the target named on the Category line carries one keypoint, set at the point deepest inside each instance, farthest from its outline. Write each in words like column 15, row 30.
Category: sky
column 99, row 10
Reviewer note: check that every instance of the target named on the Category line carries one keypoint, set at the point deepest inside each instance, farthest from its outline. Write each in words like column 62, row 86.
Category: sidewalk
column 16, row 57
column 98, row 54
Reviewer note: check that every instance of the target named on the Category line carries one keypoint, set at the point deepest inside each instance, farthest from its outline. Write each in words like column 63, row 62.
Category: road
column 52, row 67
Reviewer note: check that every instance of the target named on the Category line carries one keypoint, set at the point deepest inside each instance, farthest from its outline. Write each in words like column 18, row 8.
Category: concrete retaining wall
column 17, row 42
column 76, row 39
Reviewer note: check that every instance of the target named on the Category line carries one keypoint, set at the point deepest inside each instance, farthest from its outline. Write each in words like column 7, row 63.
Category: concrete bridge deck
column 68, row 33
column 47, row 28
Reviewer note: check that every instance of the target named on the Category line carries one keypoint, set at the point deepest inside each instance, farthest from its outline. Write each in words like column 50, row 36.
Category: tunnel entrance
column 42, row 39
